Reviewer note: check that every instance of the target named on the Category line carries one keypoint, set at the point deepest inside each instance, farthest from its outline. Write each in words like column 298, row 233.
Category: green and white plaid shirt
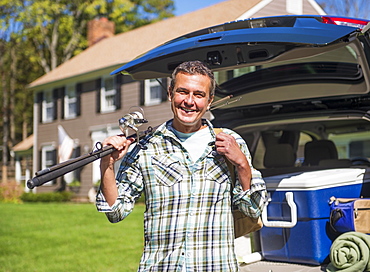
column 188, row 220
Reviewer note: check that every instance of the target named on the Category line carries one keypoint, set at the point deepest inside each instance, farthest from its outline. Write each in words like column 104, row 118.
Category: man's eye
column 181, row 92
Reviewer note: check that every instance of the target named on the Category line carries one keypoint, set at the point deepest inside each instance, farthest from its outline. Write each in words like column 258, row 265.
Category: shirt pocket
column 216, row 170
column 168, row 170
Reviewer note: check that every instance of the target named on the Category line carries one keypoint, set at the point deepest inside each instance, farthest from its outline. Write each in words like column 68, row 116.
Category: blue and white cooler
column 296, row 218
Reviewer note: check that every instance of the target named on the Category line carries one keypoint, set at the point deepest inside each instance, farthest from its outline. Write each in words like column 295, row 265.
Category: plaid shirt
column 188, row 219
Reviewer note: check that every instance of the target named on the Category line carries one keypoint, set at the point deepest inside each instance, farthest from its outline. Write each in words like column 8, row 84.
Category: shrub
column 10, row 192
column 47, row 197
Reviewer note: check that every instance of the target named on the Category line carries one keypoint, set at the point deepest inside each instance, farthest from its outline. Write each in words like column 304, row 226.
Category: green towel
column 350, row 253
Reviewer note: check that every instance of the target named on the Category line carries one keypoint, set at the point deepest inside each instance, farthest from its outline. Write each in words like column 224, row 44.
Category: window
column 48, row 158
column 108, row 95
column 294, row 6
column 152, row 92
column 70, row 102
column 48, row 107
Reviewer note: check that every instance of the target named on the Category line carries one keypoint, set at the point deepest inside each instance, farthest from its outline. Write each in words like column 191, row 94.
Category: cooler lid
column 315, row 180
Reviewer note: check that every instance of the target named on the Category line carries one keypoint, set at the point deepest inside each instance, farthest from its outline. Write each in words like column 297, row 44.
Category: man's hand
column 226, row 145
column 119, row 142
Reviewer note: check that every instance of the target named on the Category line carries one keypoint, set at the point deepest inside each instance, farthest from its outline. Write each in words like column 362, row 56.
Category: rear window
column 339, row 65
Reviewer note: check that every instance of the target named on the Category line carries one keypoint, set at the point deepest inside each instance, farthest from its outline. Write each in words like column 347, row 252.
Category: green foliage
column 57, row 29
column 37, row 36
column 10, row 192
column 69, row 237
column 47, row 197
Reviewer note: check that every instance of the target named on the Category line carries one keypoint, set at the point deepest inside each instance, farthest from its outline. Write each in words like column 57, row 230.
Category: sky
column 186, row 6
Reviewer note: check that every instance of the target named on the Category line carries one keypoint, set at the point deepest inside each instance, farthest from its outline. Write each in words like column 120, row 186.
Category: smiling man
column 183, row 173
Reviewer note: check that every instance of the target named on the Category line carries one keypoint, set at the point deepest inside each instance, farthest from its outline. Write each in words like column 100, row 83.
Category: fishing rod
column 131, row 121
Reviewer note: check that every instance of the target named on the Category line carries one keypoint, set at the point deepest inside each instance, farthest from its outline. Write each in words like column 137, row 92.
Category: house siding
column 90, row 120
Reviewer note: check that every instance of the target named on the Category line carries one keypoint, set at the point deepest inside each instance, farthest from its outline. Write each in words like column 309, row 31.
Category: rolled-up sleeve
column 251, row 202
column 129, row 186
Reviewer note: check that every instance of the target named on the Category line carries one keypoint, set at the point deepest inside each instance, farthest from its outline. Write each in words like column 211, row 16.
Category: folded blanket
column 350, row 253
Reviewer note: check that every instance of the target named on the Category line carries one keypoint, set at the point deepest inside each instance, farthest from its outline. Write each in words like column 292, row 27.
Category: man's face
column 190, row 99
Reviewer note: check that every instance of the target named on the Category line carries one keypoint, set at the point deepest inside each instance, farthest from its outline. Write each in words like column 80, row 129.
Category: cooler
column 296, row 219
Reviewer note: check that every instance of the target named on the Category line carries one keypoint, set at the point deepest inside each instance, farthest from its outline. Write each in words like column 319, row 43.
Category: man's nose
column 189, row 99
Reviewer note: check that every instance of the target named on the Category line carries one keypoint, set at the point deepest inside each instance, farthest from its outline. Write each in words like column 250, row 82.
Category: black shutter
column 54, row 163
column 76, row 153
column 40, row 98
column 142, row 92
column 117, row 99
column 62, row 95
column 98, row 93
column 78, row 99
column 39, row 160
column 55, row 103
column 164, row 89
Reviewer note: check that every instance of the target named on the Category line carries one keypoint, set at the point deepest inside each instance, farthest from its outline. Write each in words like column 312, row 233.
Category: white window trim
column 48, row 94
column 68, row 100
column 294, row 7
column 44, row 165
column 96, row 136
column 104, row 107
column 148, row 84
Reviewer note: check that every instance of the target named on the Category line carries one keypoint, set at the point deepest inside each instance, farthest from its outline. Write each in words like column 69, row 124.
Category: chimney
column 99, row 29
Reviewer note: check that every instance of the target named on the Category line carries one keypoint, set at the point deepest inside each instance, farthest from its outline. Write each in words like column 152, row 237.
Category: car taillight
column 358, row 23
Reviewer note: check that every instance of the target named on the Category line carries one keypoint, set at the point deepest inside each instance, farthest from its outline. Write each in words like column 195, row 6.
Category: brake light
column 358, row 23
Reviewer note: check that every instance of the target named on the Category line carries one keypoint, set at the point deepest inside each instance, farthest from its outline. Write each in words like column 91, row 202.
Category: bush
column 10, row 192
column 47, row 197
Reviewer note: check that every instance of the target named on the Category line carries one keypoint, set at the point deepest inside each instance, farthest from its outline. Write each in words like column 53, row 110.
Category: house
column 81, row 97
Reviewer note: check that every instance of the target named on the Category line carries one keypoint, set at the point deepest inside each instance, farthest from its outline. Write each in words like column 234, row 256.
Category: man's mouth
column 187, row 110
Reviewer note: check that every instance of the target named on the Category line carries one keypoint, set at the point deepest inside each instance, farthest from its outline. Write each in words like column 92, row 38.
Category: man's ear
column 169, row 96
column 210, row 102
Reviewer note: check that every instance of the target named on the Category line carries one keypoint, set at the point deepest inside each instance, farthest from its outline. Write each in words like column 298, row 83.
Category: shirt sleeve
column 251, row 202
column 130, row 186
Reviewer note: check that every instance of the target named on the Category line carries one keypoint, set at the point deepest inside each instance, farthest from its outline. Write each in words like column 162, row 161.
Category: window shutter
column 78, row 99
column 39, row 160
column 62, row 95
column 164, row 89
column 40, row 98
column 55, row 103
column 55, row 162
column 98, row 93
column 117, row 100
column 76, row 153
column 142, row 92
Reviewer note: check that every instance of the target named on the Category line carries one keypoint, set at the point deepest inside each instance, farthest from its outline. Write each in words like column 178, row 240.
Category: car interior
column 306, row 146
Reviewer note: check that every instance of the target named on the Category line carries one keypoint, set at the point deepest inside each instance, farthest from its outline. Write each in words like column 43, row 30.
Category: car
column 296, row 88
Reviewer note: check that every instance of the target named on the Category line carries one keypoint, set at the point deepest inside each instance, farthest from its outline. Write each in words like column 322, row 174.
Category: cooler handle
column 282, row 224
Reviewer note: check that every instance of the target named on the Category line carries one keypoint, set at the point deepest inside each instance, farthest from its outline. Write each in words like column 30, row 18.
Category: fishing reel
column 132, row 120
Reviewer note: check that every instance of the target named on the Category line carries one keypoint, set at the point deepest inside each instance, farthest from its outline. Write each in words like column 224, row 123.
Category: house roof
column 26, row 144
column 124, row 47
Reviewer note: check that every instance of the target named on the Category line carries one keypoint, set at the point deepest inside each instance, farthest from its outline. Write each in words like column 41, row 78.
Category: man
column 183, row 174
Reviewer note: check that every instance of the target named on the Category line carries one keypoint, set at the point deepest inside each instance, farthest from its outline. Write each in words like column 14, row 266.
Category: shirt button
column 188, row 254
column 191, row 213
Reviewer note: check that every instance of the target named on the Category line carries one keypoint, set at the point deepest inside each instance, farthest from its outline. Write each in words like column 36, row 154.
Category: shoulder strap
column 230, row 166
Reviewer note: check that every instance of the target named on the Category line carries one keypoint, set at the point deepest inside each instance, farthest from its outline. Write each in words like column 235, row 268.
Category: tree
column 57, row 28
column 38, row 35
column 348, row 8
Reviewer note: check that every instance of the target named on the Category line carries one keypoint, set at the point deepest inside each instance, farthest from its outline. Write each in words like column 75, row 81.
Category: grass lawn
column 67, row 238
